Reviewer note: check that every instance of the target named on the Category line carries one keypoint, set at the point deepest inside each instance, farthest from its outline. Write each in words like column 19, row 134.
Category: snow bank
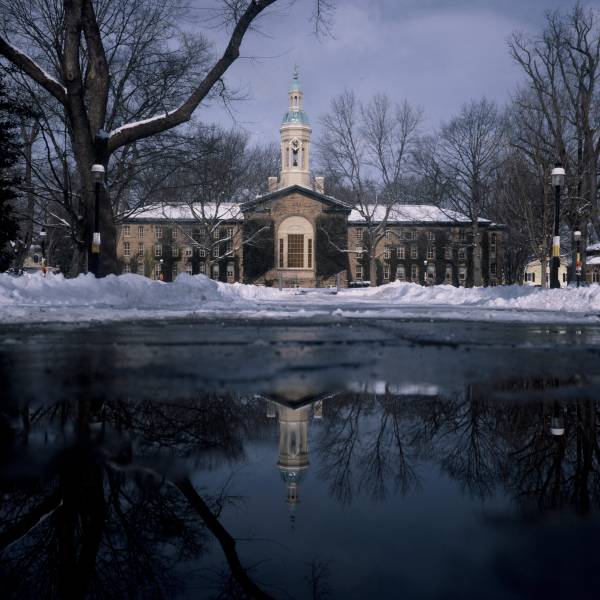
column 54, row 298
column 584, row 299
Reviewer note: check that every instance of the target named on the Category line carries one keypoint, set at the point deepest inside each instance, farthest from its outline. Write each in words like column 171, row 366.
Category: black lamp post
column 558, row 180
column 577, row 236
column 161, row 275
column 425, row 282
column 43, row 246
column 94, row 259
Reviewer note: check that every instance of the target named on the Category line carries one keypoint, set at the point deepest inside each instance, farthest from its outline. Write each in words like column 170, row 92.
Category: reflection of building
column 298, row 235
column 293, row 459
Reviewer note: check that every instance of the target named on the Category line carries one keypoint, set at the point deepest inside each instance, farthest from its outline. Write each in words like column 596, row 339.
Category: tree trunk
column 477, row 277
column 26, row 225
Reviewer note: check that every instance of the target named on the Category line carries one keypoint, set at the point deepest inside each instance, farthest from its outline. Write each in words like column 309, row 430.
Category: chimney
column 320, row 185
column 272, row 183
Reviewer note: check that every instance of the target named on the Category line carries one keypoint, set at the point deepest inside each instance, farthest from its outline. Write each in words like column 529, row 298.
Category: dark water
column 300, row 460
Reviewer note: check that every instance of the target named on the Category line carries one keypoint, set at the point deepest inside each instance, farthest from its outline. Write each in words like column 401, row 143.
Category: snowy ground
column 33, row 298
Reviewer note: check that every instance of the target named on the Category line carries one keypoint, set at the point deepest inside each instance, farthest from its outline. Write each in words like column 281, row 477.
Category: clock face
column 295, row 144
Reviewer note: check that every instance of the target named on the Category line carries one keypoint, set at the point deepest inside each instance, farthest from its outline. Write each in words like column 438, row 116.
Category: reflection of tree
column 470, row 448
column 90, row 516
column 370, row 443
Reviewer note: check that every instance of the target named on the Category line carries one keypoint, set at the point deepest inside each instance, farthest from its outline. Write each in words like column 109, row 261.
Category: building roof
column 225, row 211
column 295, row 117
column 593, row 248
column 413, row 213
column 290, row 189
column 594, row 260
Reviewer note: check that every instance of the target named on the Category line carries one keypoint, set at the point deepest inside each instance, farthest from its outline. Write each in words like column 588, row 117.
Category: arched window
column 295, row 244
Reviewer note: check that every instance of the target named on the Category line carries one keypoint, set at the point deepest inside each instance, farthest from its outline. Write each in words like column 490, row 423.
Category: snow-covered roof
column 594, row 247
column 412, row 213
column 225, row 211
column 593, row 260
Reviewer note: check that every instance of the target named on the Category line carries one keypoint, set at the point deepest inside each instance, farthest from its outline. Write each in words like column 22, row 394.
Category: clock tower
column 295, row 141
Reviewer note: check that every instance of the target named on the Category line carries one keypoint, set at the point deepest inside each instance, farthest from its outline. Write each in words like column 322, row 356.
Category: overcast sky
column 437, row 54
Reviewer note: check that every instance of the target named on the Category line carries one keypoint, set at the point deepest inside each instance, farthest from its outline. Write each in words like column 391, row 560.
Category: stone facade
column 295, row 235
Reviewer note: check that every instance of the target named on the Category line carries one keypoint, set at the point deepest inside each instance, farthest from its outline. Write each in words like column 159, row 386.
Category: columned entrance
column 295, row 252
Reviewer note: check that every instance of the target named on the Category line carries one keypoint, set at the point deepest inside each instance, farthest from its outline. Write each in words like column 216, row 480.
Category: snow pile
column 584, row 299
column 123, row 291
column 35, row 298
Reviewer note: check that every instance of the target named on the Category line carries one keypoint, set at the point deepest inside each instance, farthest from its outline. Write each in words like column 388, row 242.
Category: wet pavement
column 305, row 458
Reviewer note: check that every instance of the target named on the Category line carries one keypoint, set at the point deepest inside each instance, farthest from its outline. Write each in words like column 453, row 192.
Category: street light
column 558, row 181
column 43, row 246
column 98, row 179
column 577, row 236
column 161, row 276
column 425, row 273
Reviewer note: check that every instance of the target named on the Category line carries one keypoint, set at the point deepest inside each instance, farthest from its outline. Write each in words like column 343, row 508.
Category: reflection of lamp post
column 98, row 179
column 577, row 236
column 558, row 180
column 43, row 246
column 425, row 273
column 557, row 422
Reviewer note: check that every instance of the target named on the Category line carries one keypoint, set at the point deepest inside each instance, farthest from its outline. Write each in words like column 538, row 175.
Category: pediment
column 331, row 203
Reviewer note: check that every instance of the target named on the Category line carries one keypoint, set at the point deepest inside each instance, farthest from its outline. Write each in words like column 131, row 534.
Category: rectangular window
column 414, row 273
column 359, row 251
column 230, row 273
column 387, row 253
column 448, row 276
column 281, row 253
column 462, row 253
column 229, row 247
column 412, row 235
column 140, row 268
column 388, row 234
column 431, row 236
column 401, row 252
column 140, row 231
column 401, row 273
column 126, row 230
column 462, row 275
column 462, row 235
column 215, row 251
column 448, row 252
column 295, row 251
column 126, row 249
column 173, row 271
column 360, row 233
column 175, row 233
column 188, row 252
column 157, row 250
column 141, row 248
column 175, row 251
column 493, row 268
column 493, row 241
column 157, row 271
column 386, row 272
column 430, row 252
column 158, row 231
column 359, row 272
column 188, row 269
column 229, row 232
column 310, row 252
column 201, row 252
column 414, row 252
column 215, row 272
column 127, row 269
column 202, row 268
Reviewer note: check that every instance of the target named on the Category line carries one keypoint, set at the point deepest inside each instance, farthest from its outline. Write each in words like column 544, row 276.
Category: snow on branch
column 24, row 62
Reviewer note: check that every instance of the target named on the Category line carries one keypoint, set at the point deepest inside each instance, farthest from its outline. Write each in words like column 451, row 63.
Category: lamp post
column 43, row 246
column 161, row 276
column 425, row 283
column 558, row 180
column 94, row 259
column 577, row 236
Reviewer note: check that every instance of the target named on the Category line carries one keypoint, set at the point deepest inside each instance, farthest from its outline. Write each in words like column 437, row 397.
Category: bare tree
column 75, row 53
column 562, row 69
column 366, row 149
column 469, row 153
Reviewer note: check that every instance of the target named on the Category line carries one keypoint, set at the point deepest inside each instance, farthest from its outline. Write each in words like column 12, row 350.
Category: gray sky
column 437, row 54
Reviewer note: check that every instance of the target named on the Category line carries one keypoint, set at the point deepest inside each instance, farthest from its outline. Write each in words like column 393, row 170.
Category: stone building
column 296, row 235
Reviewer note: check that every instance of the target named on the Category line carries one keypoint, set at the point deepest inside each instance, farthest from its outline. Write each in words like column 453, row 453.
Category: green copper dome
column 295, row 117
